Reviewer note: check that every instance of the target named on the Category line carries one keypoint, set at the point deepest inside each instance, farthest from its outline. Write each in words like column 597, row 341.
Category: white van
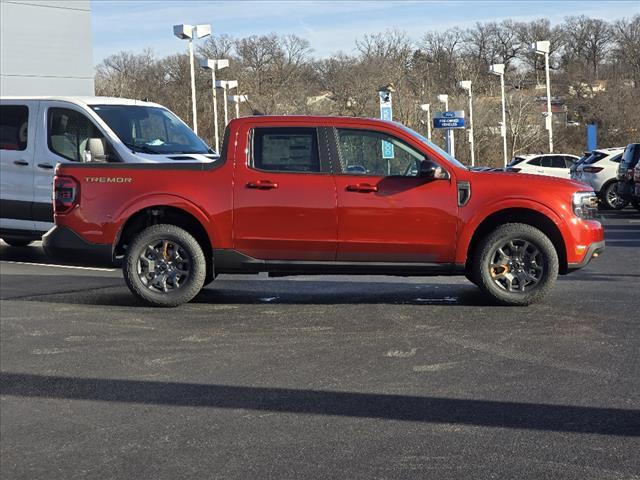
column 36, row 133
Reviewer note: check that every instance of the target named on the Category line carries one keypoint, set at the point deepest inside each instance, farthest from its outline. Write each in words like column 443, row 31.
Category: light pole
column 238, row 99
column 226, row 85
column 451, row 148
column 187, row 32
column 542, row 48
column 498, row 69
column 426, row 107
column 214, row 65
column 466, row 85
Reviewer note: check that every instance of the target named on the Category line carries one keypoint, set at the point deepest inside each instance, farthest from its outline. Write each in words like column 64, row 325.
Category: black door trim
column 233, row 261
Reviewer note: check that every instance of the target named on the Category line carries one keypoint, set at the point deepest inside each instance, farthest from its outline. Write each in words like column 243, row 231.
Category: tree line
column 595, row 78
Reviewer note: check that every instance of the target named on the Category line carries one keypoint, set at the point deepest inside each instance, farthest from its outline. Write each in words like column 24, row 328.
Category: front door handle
column 22, row 163
column 46, row 166
column 362, row 188
column 262, row 185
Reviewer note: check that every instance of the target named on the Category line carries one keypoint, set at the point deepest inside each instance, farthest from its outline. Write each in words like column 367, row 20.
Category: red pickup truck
column 297, row 195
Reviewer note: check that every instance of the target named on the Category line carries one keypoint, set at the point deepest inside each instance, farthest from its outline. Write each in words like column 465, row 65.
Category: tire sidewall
column 498, row 237
column 196, row 274
column 605, row 197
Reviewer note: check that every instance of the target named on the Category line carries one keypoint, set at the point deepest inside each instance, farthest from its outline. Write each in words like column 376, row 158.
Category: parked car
column 284, row 199
column 626, row 187
column 554, row 165
column 572, row 168
column 38, row 133
column 600, row 170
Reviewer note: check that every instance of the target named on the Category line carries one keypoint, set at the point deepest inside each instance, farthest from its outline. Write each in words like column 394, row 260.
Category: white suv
column 600, row 171
column 552, row 164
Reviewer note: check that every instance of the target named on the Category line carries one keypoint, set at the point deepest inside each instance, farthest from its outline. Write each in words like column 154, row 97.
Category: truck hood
column 515, row 178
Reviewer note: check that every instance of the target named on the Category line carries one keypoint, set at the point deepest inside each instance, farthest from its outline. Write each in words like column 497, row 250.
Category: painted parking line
column 95, row 269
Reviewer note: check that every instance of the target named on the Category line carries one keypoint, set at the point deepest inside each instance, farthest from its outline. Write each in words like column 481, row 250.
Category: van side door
column 63, row 135
column 17, row 147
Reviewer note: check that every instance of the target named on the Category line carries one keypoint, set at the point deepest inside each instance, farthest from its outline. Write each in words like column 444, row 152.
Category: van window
column 68, row 133
column 14, row 122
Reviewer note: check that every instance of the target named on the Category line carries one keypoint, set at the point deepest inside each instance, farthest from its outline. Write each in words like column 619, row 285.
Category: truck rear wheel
column 516, row 264
column 164, row 266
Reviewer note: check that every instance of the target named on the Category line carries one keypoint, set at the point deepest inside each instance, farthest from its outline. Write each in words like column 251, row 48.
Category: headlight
column 585, row 204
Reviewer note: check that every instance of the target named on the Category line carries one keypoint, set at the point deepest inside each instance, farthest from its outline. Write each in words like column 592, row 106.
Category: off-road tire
column 196, row 261
column 481, row 270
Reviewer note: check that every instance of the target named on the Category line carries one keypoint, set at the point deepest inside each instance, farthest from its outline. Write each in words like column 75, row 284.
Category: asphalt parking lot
column 321, row 377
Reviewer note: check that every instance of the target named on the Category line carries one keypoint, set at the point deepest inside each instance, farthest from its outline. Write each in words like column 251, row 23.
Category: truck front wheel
column 515, row 264
column 164, row 266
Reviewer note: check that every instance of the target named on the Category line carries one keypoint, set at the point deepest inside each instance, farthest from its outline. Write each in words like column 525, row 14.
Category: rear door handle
column 362, row 188
column 46, row 166
column 262, row 185
column 22, row 163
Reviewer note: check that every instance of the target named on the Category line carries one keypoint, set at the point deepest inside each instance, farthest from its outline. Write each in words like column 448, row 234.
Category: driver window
column 70, row 135
column 368, row 152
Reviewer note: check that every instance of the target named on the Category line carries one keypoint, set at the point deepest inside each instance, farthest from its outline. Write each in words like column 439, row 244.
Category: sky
column 330, row 26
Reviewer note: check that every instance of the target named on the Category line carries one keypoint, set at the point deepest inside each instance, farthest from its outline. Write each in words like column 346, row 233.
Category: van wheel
column 164, row 266
column 516, row 264
column 610, row 198
column 17, row 242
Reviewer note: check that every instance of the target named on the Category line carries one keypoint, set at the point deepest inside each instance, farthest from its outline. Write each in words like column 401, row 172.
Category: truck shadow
column 409, row 408
column 100, row 291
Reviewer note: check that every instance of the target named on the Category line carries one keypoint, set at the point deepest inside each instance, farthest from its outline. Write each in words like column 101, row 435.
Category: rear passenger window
column 557, row 162
column 69, row 132
column 286, row 149
column 14, row 121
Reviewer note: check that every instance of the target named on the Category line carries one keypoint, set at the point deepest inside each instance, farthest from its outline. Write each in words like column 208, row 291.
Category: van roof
column 86, row 100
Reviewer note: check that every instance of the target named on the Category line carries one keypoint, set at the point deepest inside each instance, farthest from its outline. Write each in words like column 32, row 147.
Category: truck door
column 284, row 195
column 17, row 147
column 386, row 212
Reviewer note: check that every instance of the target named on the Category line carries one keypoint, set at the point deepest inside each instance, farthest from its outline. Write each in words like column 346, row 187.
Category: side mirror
column 432, row 171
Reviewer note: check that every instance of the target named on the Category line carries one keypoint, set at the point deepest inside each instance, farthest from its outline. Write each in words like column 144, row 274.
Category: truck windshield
column 431, row 145
column 151, row 130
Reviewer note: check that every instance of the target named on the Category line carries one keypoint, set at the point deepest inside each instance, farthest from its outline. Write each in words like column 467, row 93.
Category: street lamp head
column 443, row 98
column 541, row 47
column 465, row 85
column 203, row 31
column 238, row 98
column 183, row 31
column 497, row 69
column 425, row 107
column 226, row 84
column 209, row 64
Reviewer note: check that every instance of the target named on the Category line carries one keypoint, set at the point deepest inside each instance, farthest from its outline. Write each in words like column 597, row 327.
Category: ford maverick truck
column 294, row 195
